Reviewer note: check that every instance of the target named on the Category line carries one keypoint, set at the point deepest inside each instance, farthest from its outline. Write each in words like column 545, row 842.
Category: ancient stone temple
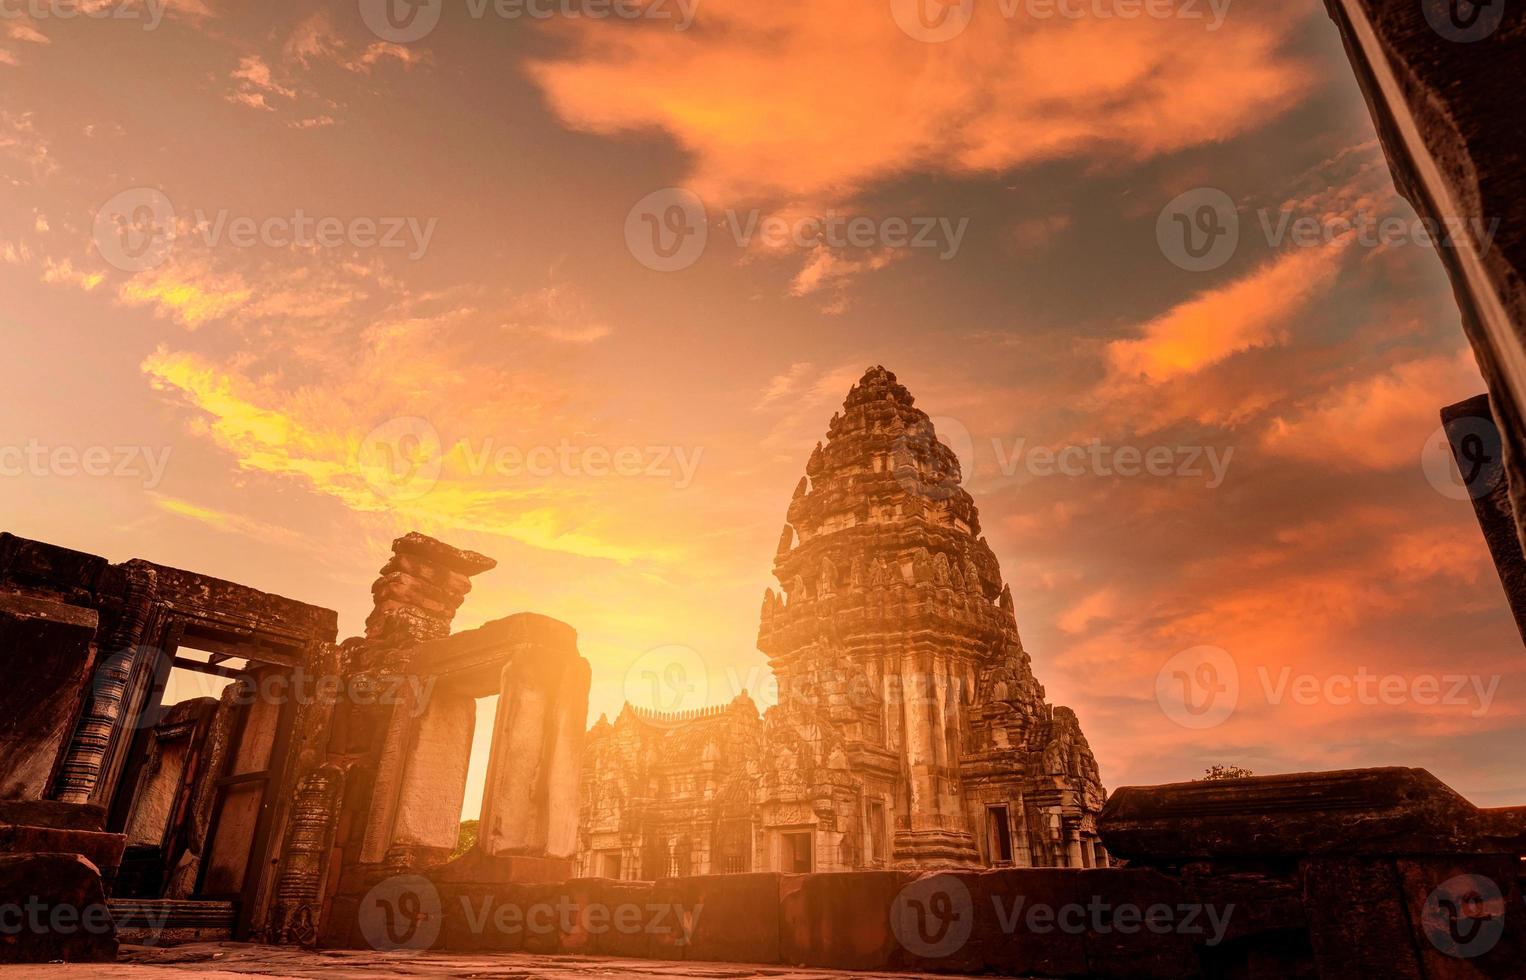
column 322, row 768
column 910, row 730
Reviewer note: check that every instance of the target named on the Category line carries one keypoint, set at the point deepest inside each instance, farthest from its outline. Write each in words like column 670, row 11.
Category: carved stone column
column 1073, row 856
column 299, row 889
column 106, row 700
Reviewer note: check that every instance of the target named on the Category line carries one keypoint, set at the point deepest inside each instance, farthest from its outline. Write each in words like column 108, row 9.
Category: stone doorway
column 194, row 797
column 796, row 852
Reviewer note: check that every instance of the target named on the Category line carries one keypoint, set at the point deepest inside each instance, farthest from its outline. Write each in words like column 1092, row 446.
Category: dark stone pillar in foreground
column 58, row 913
column 1443, row 79
column 1474, row 439
column 45, row 661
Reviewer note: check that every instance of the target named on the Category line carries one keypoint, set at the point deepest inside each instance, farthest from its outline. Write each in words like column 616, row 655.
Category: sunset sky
column 512, row 304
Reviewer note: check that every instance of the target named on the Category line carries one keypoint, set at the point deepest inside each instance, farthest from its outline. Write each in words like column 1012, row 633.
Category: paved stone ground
column 237, row 961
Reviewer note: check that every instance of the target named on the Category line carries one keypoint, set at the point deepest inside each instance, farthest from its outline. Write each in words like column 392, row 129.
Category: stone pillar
column 299, row 889
column 569, row 719
column 386, row 785
column 1073, row 858
column 434, row 783
column 1022, row 853
column 916, row 741
column 118, row 651
column 513, row 821
column 530, row 804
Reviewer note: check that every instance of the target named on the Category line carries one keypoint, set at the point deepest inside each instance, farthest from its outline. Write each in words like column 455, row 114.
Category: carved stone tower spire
column 895, row 627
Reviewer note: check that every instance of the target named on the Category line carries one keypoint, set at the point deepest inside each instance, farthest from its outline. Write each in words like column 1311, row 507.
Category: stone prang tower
column 910, row 731
column 895, row 630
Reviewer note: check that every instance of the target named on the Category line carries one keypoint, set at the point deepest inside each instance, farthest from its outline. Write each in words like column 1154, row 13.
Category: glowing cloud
column 802, row 101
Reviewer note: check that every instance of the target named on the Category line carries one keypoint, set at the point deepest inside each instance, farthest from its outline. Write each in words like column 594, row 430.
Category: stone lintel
column 474, row 659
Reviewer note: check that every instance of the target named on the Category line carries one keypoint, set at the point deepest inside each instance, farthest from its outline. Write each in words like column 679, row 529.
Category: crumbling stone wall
column 1370, row 873
column 321, row 767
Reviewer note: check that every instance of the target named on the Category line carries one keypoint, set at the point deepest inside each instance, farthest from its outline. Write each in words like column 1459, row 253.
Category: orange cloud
column 255, row 81
column 1250, row 312
column 221, row 520
column 827, row 269
column 21, row 142
column 21, row 30
column 189, row 293
column 1099, row 605
column 812, row 102
column 305, row 437
column 64, row 272
column 1379, row 422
